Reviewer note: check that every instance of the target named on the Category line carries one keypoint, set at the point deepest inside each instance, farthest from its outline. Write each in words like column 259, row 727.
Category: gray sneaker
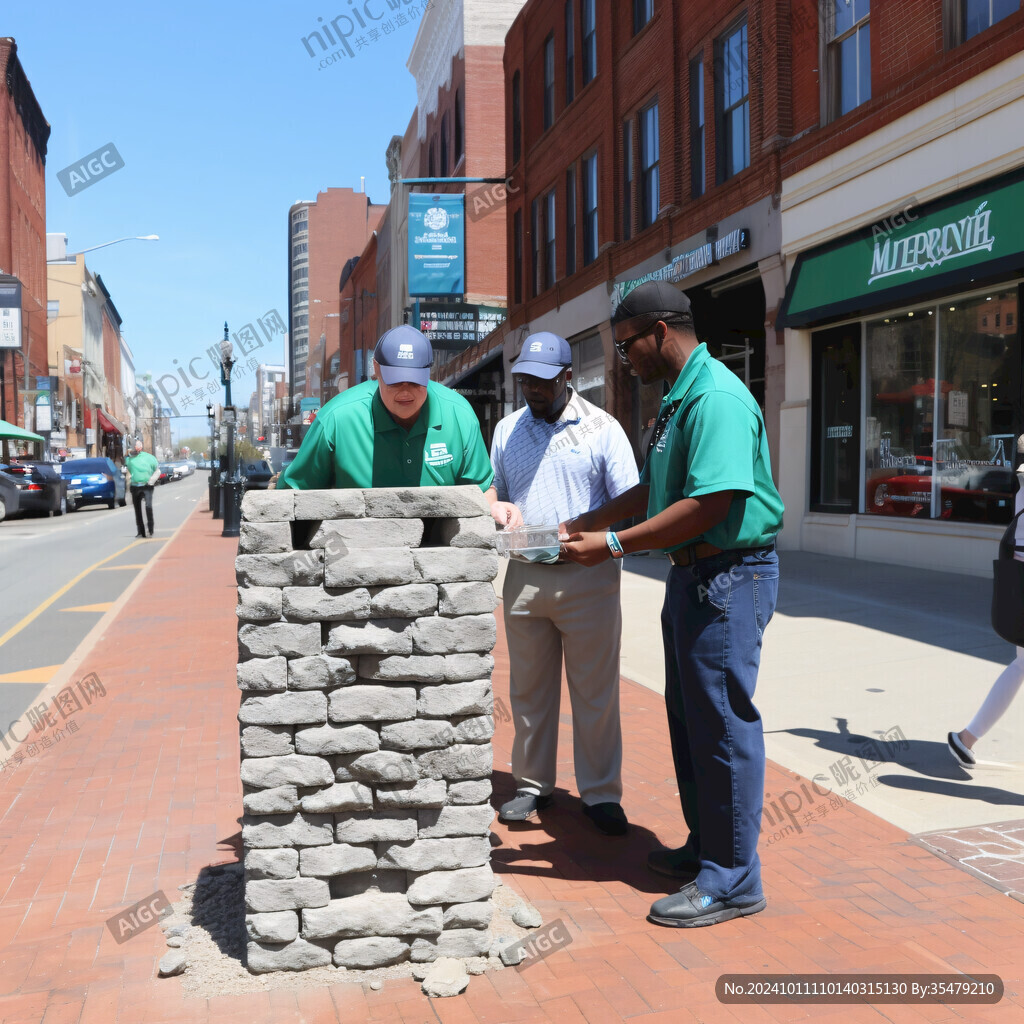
column 523, row 806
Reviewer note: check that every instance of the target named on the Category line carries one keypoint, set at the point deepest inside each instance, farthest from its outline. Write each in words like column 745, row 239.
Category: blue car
column 94, row 482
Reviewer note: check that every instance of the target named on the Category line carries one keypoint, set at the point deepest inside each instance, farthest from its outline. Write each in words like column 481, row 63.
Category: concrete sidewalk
column 146, row 795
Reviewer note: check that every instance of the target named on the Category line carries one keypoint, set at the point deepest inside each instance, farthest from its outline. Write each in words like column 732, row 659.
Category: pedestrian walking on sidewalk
column 143, row 472
column 554, row 460
column 707, row 491
column 399, row 430
column 1008, row 682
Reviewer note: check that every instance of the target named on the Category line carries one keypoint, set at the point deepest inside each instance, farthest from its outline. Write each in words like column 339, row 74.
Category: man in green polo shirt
column 143, row 472
column 400, row 430
column 711, row 506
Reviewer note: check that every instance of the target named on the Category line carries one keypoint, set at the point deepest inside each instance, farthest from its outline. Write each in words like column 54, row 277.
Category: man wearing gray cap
column 711, row 506
column 400, row 430
column 556, row 459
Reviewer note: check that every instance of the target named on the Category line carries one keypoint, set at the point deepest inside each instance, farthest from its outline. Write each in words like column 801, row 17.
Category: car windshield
column 85, row 466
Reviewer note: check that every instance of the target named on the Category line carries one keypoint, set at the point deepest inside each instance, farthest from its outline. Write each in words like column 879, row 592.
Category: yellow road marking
column 56, row 595
column 111, row 568
column 90, row 607
column 31, row 675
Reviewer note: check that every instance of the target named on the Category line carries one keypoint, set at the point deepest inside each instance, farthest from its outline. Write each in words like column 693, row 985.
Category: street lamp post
column 214, row 467
column 232, row 485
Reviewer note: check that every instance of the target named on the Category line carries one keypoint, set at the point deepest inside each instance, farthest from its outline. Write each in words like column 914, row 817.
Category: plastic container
column 529, row 543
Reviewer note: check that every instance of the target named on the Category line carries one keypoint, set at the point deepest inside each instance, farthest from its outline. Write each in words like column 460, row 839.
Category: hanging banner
column 436, row 245
column 10, row 313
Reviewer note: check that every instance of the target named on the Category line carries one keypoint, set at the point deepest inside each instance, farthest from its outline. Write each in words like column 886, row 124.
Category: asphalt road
column 60, row 575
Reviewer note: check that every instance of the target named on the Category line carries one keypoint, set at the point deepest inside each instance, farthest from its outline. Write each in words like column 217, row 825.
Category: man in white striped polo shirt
column 555, row 459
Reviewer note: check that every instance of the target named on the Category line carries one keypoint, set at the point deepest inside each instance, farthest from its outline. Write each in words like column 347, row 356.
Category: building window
column 570, row 221
column 643, row 10
column 732, row 103
column 299, row 226
column 589, row 209
column 517, row 251
column 570, row 54
column 537, row 266
column 589, row 41
column 300, row 295
column 588, row 370
column 978, row 15
column 460, row 128
column 431, row 160
column 650, row 156
column 444, row 146
column 299, row 249
column 550, row 273
column 627, row 179
column 698, row 159
column 517, row 120
column 849, row 55
column 940, row 428
column 549, row 81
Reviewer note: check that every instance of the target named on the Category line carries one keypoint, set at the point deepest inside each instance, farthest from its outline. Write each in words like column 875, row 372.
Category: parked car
column 41, row 488
column 166, row 473
column 257, row 475
column 9, row 493
column 94, row 482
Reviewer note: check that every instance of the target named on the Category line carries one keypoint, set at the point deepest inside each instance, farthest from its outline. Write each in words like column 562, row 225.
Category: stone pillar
column 366, row 621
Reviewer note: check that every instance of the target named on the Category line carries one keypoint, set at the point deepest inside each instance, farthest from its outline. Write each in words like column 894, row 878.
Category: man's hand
column 586, row 548
column 506, row 515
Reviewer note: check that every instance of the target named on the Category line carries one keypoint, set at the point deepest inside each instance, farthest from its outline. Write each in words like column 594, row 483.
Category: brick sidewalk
column 147, row 793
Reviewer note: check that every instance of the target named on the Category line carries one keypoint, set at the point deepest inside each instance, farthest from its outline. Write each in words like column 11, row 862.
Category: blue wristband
column 613, row 545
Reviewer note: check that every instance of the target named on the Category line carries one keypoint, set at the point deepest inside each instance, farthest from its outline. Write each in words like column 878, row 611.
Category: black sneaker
column 523, row 806
column 691, row 908
column 608, row 817
column 962, row 753
column 140, row 536
column 673, row 864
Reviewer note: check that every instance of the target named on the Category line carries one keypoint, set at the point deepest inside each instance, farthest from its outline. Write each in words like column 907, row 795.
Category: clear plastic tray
column 529, row 543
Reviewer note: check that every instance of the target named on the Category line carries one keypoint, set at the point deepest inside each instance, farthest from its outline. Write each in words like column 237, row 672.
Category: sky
column 223, row 121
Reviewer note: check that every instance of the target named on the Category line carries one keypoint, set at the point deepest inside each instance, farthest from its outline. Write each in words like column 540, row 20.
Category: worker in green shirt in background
column 400, row 430
column 143, row 472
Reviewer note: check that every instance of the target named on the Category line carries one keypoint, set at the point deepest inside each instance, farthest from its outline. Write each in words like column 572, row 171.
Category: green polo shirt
column 715, row 441
column 141, row 467
column 353, row 442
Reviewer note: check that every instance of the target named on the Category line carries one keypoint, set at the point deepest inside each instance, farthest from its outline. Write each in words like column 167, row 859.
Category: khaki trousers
column 570, row 610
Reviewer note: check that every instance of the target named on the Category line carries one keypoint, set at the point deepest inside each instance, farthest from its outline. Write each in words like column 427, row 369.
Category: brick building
column 24, row 133
column 903, row 236
column 643, row 142
column 322, row 236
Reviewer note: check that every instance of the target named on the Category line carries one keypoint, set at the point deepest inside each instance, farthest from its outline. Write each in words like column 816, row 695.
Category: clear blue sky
column 223, row 121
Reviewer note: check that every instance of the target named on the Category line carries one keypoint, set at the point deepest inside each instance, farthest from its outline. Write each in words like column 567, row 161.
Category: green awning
column 974, row 235
column 9, row 432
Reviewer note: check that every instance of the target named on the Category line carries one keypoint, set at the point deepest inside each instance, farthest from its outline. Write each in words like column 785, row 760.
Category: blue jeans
column 712, row 624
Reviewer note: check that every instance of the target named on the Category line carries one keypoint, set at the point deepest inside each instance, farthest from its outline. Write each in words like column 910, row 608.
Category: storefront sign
column 44, row 422
column 687, row 263
column 10, row 314
column 456, row 326
column 436, row 245
column 980, row 231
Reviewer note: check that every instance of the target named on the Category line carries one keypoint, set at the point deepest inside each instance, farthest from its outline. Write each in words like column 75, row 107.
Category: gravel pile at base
column 214, row 907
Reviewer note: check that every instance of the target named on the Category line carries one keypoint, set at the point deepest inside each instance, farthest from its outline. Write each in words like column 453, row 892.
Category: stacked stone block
column 366, row 621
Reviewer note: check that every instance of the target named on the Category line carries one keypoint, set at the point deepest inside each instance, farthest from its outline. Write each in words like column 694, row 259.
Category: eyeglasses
column 671, row 319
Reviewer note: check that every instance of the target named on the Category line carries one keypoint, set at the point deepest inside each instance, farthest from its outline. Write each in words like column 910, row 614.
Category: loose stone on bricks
column 364, row 721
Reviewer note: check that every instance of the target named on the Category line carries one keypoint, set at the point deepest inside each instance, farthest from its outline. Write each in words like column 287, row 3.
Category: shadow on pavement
column 562, row 843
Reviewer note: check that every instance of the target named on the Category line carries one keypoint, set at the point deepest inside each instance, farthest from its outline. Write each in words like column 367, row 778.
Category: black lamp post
column 214, row 465
column 231, row 494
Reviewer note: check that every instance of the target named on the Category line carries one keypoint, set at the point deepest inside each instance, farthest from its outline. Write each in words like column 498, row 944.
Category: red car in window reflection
column 984, row 493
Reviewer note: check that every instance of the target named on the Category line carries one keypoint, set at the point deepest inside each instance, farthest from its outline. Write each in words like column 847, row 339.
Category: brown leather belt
column 690, row 554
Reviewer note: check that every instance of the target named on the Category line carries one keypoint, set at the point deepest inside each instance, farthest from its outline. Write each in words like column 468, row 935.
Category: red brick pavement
column 147, row 793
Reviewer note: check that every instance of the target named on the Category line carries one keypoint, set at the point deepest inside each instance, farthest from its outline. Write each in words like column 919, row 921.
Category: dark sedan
column 40, row 487
column 94, row 482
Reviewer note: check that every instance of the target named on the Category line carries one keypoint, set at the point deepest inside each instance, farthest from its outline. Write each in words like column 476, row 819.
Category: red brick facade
column 24, row 133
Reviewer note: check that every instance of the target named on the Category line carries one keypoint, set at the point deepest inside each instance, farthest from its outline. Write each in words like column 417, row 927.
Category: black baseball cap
column 404, row 356
column 653, row 297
